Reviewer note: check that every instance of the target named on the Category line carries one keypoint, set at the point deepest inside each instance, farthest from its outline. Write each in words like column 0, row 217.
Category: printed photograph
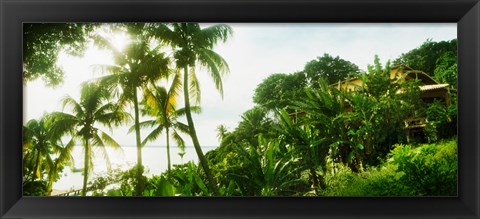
column 239, row 110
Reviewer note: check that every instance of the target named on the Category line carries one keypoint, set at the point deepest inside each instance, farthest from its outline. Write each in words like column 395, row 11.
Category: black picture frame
column 466, row 13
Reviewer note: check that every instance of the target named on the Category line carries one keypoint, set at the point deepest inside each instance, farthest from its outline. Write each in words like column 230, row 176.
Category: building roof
column 433, row 87
column 425, row 78
column 402, row 66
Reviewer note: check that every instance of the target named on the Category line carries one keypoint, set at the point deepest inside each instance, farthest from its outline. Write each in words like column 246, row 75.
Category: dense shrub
column 430, row 169
column 35, row 188
column 427, row 170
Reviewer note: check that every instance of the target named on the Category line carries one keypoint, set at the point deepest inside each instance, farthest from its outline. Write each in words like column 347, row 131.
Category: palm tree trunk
column 314, row 176
column 85, row 168
column 168, row 150
column 201, row 157
column 37, row 166
column 50, row 182
column 139, row 186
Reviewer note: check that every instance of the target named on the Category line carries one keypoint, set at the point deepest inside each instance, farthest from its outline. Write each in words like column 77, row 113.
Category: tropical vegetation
column 303, row 137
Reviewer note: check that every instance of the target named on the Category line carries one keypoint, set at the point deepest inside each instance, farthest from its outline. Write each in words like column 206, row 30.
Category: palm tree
column 222, row 132
column 193, row 46
column 135, row 67
column 95, row 107
column 161, row 104
column 270, row 168
column 41, row 141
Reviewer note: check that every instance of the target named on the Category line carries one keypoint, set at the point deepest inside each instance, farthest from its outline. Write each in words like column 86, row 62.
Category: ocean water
column 154, row 159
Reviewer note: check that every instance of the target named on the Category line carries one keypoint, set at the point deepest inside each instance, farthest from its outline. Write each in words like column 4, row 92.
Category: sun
column 120, row 40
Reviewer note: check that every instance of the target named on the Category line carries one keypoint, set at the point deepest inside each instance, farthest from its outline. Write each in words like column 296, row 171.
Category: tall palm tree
column 193, row 46
column 161, row 104
column 95, row 107
column 41, row 141
column 136, row 66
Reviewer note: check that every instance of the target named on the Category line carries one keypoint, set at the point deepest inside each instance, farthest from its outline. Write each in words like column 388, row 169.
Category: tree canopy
column 426, row 56
column 43, row 42
column 332, row 69
column 277, row 90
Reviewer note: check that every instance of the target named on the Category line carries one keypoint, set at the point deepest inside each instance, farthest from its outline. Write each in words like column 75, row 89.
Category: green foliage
column 35, row 188
column 329, row 68
column 381, row 181
column 278, row 90
column 441, row 121
column 307, row 144
column 159, row 186
column 430, row 169
column 303, row 137
column 136, row 66
column 44, row 154
column 446, row 69
column 255, row 122
column 356, row 127
column 376, row 120
column 123, row 183
column 426, row 57
column 42, row 42
column 161, row 104
column 188, row 180
column 268, row 170
column 426, row 170
column 94, row 107
column 193, row 47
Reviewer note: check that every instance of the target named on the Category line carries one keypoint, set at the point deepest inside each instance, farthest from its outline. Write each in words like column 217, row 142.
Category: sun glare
column 120, row 40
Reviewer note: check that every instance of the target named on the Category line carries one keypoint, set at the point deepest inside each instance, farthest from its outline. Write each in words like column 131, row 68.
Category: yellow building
column 430, row 90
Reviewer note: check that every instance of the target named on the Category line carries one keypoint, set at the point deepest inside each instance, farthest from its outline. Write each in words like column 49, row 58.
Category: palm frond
column 194, row 87
column 176, row 86
column 211, row 35
column 69, row 101
column 163, row 33
column 144, row 124
column 179, row 140
column 194, row 109
column 152, row 136
column 104, row 68
column 65, row 156
column 182, row 127
column 110, row 141
column 216, row 65
column 63, row 122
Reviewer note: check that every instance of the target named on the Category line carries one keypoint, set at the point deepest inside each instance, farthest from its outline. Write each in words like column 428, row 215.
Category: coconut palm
column 222, row 132
column 135, row 66
column 95, row 107
column 161, row 104
column 41, row 141
column 193, row 47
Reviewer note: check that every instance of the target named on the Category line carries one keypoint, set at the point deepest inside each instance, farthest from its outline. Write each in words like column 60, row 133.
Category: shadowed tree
column 41, row 141
column 95, row 107
column 193, row 47
column 42, row 42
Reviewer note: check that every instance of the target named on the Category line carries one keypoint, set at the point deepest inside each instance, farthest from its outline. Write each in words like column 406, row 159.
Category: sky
column 254, row 52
